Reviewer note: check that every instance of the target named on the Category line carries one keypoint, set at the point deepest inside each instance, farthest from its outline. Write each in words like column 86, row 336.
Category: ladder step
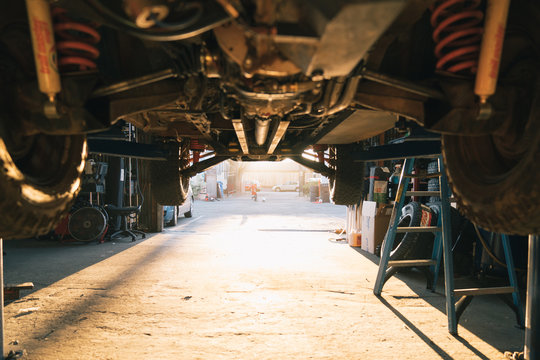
column 484, row 291
column 423, row 175
column 423, row 193
column 419, row 229
column 403, row 263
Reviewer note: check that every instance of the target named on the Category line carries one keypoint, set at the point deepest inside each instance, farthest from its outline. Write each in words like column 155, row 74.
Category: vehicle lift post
column 2, row 299
column 532, row 311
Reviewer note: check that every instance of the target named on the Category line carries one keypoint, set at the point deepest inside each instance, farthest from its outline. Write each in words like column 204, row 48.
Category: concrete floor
column 239, row 280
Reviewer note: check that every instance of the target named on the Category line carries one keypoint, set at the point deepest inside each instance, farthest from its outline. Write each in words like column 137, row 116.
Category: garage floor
column 239, row 280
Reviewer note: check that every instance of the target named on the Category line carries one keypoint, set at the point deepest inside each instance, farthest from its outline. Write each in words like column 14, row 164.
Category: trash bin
column 313, row 192
column 324, row 193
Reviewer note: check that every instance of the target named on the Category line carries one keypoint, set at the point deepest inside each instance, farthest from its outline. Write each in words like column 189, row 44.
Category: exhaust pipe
column 261, row 130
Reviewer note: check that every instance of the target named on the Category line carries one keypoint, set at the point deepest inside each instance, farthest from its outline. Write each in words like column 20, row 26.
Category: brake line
column 489, row 252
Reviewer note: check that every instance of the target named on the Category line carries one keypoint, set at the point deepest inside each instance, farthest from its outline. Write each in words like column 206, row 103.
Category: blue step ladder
column 442, row 247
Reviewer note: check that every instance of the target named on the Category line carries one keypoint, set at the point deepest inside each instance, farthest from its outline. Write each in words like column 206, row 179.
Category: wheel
column 432, row 167
column 405, row 243
column 169, row 186
column 296, row 189
column 463, row 237
column 39, row 180
column 189, row 213
column 174, row 220
column 277, row 189
column 495, row 177
column 433, row 185
column 347, row 182
column 87, row 223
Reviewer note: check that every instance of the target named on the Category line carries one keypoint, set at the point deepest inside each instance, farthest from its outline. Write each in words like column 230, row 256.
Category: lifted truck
column 266, row 80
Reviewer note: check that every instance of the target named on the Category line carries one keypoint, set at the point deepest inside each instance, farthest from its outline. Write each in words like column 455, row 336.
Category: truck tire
column 189, row 213
column 347, row 182
column 463, row 237
column 495, row 178
column 433, row 185
column 174, row 220
column 433, row 167
column 169, row 186
column 405, row 243
column 40, row 177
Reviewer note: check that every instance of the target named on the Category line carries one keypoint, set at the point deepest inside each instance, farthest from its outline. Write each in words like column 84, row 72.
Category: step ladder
column 442, row 247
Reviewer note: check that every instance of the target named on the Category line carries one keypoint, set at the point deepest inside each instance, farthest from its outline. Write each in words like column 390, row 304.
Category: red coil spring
column 75, row 42
column 457, row 34
column 197, row 148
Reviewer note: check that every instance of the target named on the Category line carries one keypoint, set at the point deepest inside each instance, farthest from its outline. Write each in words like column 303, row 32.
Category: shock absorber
column 490, row 53
column 76, row 42
column 39, row 17
column 457, row 34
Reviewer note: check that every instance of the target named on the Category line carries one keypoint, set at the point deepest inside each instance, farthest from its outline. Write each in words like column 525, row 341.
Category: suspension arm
column 313, row 165
column 203, row 165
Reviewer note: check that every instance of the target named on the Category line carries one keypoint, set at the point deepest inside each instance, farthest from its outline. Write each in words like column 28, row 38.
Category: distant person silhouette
column 254, row 192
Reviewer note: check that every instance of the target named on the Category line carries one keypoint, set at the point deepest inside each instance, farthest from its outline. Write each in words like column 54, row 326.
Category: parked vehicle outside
column 288, row 186
column 171, row 213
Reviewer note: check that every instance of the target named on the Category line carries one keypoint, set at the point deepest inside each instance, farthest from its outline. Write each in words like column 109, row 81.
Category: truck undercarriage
column 266, row 80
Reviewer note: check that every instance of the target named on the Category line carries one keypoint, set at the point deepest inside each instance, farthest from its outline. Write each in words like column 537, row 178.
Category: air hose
column 489, row 252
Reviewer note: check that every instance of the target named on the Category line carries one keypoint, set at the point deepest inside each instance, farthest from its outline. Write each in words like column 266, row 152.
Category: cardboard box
column 375, row 220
